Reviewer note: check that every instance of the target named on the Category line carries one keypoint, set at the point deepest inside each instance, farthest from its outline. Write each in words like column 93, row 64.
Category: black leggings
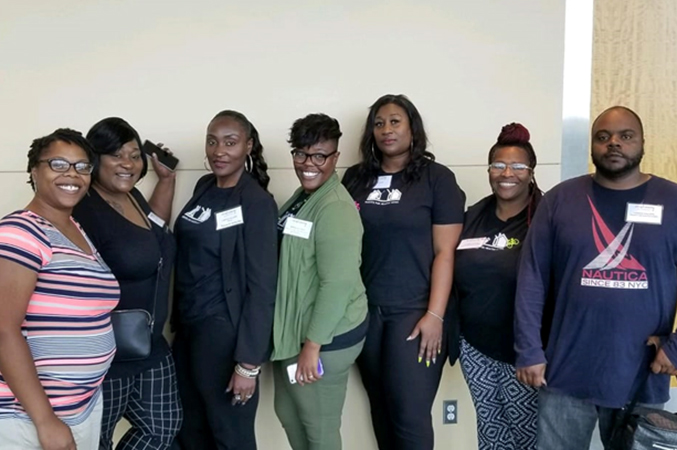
column 401, row 390
column 204, row 353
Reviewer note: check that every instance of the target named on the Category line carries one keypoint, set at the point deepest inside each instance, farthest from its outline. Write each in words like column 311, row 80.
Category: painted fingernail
column 427, row 363
column 420, row 359
column 434, row 360
column 439, row 350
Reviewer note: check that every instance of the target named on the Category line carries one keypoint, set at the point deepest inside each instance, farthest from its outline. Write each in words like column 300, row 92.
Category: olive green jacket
column 319, row 289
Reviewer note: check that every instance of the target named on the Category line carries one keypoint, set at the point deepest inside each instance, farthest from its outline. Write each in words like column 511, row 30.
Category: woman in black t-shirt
column 485, row 279
column 226, row 274
column 412, row 213
column 133, row 239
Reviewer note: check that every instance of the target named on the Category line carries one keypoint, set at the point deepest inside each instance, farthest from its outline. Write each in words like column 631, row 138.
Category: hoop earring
column 411, row 146
column 249, row 162
column 373, row 152
column 204, row 163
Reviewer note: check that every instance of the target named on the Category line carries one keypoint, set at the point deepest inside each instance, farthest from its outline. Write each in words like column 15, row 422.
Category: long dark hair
column 517, row 135
column 259, row 168
column 371, row 155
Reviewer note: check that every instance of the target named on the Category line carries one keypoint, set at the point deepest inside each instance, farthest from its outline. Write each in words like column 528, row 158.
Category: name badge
column 297, row 227
column 468, row 244
column 229, row 218
column 157, row 220
column 643, row 213
column 383, row 182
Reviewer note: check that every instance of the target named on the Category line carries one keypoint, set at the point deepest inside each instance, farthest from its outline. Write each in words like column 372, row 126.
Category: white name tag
column 297, row 227
column 229, row 218
column 643, row 213
column 383, row 182
column 156, row 219
column 468, row 244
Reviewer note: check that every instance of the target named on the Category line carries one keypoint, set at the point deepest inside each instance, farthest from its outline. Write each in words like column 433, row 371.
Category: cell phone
column 163, row 157
column 291, row 371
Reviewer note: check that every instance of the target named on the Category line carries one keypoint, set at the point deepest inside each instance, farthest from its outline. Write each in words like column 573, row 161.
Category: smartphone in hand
column 291, row 371
column 166, row 159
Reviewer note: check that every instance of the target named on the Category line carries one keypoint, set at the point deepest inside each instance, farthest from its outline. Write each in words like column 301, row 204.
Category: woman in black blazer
column 225, row 289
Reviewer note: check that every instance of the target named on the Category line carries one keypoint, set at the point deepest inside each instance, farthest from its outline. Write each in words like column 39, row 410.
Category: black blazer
column 249, row 265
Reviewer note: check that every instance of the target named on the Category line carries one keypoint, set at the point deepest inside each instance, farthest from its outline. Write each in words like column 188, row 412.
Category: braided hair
column 516, row 135
column 259, row 167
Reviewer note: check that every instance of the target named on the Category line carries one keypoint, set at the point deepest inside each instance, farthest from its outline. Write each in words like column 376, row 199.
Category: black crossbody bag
column 133, row 329
column 642, row 428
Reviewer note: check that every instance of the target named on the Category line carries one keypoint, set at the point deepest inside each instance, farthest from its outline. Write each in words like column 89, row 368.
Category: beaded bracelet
column 247, row 373
column 435, row 315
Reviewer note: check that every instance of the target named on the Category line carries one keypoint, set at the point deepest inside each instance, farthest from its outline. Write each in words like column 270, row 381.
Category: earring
column 373, row 152
column 249, row 162
column 411, row 147
column 204, row 162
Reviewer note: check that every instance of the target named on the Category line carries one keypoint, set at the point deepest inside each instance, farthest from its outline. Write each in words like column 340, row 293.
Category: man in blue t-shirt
column 600, row 259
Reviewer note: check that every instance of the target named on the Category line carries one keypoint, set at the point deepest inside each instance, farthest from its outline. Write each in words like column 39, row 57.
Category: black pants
column 401, row 390
column 204, row 353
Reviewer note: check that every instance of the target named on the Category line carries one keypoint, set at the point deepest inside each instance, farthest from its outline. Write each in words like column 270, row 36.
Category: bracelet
column 247, row 373
column 435, row 315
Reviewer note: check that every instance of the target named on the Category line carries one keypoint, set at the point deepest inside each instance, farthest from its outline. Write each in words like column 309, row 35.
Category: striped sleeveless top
column 67, row 325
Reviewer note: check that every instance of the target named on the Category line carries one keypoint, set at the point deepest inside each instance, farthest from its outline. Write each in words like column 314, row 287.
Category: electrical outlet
column 450, row 412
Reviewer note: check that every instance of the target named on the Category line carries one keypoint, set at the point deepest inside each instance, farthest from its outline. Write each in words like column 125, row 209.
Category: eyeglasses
column 318, row 159
column 62, row 166
column 499, row 167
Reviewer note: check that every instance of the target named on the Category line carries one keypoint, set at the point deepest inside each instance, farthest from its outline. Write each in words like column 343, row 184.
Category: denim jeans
column 567, row 423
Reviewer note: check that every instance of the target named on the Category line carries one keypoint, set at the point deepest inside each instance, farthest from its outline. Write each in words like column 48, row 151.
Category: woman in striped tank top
column 56, row 295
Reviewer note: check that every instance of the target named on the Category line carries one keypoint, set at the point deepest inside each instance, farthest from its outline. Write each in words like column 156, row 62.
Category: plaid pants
column 150, row 402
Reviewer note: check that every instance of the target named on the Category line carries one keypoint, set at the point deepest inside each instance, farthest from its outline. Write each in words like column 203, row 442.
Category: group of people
column 382, row 268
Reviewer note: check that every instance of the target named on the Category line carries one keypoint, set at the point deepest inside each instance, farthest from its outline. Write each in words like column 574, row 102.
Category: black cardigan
column 249, row 265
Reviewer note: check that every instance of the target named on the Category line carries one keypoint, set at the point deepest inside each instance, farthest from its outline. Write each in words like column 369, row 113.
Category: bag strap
column 630, row 407
column 160, row 262
column 157, row 282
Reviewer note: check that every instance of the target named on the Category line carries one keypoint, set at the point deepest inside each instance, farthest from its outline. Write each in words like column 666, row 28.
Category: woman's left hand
column 242, row 388
column 309, row 359
column 161, row 171
column 430, row 329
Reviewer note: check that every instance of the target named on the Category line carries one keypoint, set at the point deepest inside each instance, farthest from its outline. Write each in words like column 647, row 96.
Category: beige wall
column 168, row 67
column 635, row 64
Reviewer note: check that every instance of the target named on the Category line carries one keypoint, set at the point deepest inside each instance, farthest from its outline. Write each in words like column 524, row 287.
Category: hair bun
column 513, row 133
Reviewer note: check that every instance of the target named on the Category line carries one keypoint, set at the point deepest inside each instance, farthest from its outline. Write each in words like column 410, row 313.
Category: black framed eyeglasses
column 499, row 167
column 318, row 159
column 62, row 166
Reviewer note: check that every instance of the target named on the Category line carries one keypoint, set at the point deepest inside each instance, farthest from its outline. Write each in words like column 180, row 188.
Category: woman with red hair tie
column 485, row 279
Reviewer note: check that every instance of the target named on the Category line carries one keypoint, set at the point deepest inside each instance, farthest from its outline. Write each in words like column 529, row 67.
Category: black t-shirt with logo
column 397, row 247
column 199, row 278
column 485, row 278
